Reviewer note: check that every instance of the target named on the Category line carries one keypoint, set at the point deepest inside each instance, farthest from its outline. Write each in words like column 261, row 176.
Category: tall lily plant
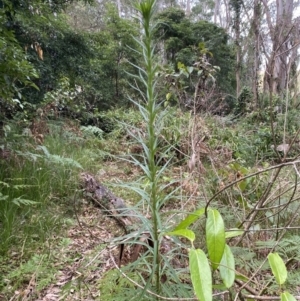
column 149, row 109
column 219, row 254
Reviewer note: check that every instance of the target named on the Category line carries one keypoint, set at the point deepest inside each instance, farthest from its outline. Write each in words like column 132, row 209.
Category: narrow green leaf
column 227, row 267
column 3, row 197
column 278, row 268
column 286, row 296
column 233, row 233
column 19, row 201
column 189, row 234
column 220, row 287
column 241, row 277
column 200, row 275
column 4, row 184
column 215, row 237
column 190, row 219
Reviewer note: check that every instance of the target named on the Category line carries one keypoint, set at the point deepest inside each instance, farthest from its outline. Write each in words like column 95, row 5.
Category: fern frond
column 20, row 201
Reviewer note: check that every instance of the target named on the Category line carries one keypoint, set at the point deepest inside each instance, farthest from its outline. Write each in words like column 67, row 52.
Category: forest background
column 74, row 100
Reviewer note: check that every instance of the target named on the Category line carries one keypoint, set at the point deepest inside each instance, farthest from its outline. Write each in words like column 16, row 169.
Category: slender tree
column 237, row 7
column 283, row 33
column 255, row 26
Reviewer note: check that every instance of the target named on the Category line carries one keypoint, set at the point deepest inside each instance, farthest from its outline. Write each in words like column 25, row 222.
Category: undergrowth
column 228, row 162
column 38, row 183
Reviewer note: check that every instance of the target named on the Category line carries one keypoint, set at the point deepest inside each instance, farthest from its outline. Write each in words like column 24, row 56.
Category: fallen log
column 113, row 206
column 106, row 200
column 130, row 220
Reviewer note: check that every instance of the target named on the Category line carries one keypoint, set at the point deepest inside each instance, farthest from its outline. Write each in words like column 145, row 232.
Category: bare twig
column 265, row 260
column 247, row 177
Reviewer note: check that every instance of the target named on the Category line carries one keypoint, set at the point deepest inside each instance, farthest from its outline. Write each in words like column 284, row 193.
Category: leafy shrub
column 244, row 101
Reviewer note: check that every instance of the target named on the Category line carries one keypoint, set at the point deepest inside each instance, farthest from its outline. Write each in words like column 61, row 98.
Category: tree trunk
column 119, row 6
column 237, row 5
column 283, row 36
column 227, row 23
column 188, row 7
column 216, row 10
column 256, row 59
column 238, row 60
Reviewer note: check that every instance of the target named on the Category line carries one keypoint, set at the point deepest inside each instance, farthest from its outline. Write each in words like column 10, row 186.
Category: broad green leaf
column 168, row 96
column 182, row 71
column 286, row 296
column 190, row 219
column 227, row 267
column 215, row 237
column 180, row 65
column 200, row 275
column 243, row 185
column 189, row 234
column 233, row 233
column 190, row 69
column 278, row 268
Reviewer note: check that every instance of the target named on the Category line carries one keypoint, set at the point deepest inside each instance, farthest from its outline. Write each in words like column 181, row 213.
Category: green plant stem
column 146, row 8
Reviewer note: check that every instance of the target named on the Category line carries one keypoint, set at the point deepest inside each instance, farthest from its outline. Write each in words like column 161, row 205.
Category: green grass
column 38, row 184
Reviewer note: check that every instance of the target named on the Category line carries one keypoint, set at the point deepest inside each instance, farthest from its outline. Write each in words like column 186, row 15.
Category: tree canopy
column 181, row 36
